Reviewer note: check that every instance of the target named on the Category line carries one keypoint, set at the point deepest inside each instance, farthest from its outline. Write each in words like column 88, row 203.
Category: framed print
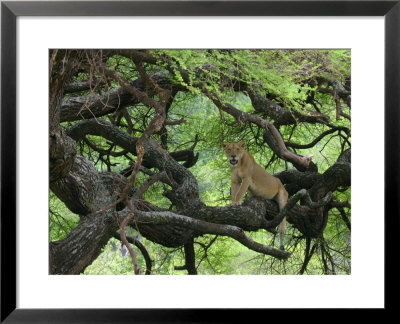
column 166, row 122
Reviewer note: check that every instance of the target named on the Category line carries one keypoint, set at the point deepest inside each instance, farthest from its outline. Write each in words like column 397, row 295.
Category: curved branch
column 202, row 227
column 95, row 105
column 98, row 105
column 317, row 139
column 85, row 242
column 78, row 188
column 283, row 116
column 271, row 134
column 142, row 249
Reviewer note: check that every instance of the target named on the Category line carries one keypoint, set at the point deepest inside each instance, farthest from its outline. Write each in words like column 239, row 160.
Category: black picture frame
column 11, row 10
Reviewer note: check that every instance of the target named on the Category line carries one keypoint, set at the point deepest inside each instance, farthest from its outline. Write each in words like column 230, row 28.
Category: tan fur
column 247, row 175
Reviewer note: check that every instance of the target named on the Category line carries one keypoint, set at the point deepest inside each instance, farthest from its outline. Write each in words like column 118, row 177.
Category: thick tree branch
column 155, row 156
column 85, row 242
column 283, row 116
column 62, row 149
column 78, row 188
column 98, row 105
column 202, row 227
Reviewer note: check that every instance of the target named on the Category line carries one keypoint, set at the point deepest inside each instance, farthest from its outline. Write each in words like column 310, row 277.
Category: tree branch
column 142, row 249
column 317, row 139
column 283, row 116
column 202, row 227
column 302, row 194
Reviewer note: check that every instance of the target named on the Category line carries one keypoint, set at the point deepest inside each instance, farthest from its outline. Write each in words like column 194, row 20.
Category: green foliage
column 61, row 220
column 113, row 260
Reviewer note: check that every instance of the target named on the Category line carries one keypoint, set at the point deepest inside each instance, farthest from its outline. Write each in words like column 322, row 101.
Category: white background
column 363, row 288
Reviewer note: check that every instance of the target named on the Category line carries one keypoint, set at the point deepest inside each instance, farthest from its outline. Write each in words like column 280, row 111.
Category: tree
column 135, row 147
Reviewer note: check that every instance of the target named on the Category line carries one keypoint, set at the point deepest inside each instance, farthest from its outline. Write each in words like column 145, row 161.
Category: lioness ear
column 242, row 144
column 224, row 144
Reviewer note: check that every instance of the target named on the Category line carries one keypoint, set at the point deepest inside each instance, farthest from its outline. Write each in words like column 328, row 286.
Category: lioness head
column 234, row 151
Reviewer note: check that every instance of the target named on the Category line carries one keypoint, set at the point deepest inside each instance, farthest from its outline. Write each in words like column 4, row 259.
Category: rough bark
column 78, row 188
column 83, row 245
column 62, row 149
column 97, row 105
column 283, row 116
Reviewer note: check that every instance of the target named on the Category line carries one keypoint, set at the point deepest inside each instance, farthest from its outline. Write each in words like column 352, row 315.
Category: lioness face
column 233, row 151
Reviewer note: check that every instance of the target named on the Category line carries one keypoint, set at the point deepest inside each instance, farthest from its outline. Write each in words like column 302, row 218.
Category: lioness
column 247, row 175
